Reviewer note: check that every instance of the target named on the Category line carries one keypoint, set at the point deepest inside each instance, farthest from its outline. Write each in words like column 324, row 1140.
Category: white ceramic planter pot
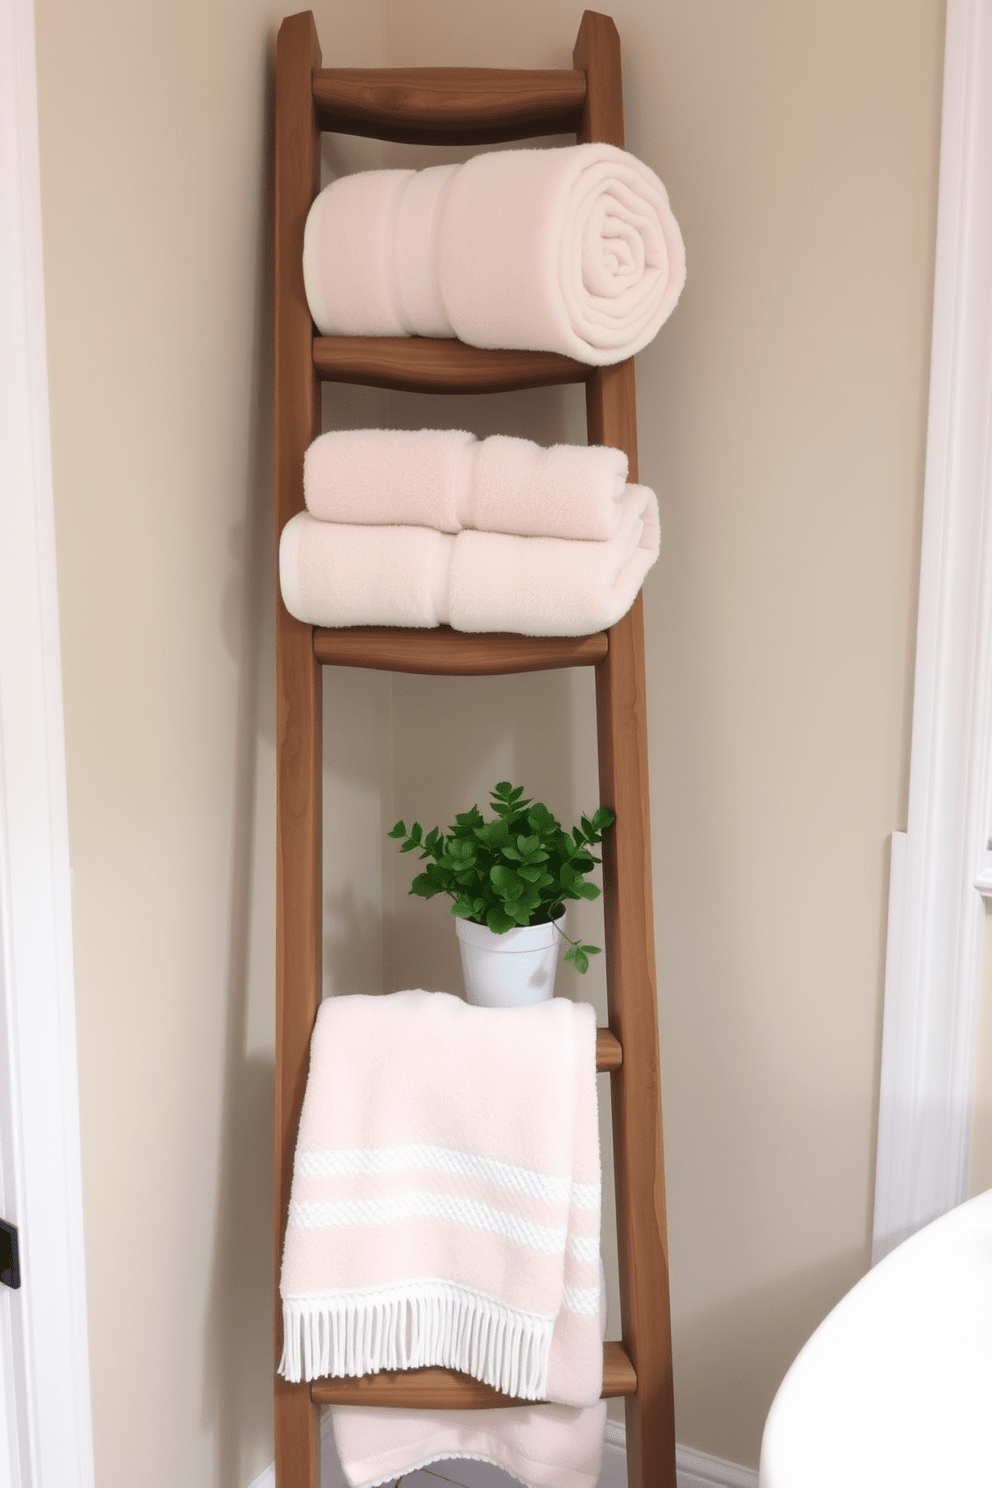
column 508, row 970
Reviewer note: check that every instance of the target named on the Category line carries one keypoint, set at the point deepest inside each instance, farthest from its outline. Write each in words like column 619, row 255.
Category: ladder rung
column 444, row 1389
column 422, row 364
column 448, row 105
column 454, row 653
column 609, row 1053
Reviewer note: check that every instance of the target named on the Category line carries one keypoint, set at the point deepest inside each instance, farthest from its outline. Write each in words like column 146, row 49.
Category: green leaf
column 498, row 920
column 424, row 887
column 463, row 908
column 540, row 820
column 398, row 831
column 578, row 958
column 495, row 834
column 506, row 883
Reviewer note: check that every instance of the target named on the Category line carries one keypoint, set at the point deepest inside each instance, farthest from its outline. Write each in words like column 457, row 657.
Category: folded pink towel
column 545, row 1446
column 573, row 250
column 445, row 1206
column 448, row 479
column 335, row 573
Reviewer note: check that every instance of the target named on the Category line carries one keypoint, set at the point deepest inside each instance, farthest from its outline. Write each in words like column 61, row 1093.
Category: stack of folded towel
column 430, row 527
column 573, row 250
column 445, row 1210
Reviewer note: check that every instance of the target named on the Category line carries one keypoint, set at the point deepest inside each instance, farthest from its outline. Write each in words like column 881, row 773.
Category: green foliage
column 518, row 868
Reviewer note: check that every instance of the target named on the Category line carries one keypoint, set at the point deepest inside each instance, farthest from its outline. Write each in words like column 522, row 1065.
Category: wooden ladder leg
column 630, row 971
column 611, row 417
column 298, row 696
column 636, row 1086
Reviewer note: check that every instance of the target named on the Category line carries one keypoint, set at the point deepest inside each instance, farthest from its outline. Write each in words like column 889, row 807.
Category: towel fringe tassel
column 343, row 1335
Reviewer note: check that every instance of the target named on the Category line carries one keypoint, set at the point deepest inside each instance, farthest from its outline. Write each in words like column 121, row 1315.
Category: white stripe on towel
column 404, row 1158
column 583, row 1248
column 420, row 1204
column 585, row 1300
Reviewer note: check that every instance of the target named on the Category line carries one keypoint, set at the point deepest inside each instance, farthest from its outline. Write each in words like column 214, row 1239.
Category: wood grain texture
column 421, row 364
column 611, row 411
column 609, row 1051
column 454, row 653
column 444, row 1389
column 298, row 695
column 448, row 105
column 597, row 54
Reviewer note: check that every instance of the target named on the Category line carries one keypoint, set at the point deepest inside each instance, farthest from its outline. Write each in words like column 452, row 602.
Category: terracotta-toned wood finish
column 444, row 1389
column 419, row 364
column 448, row 105
column 298, row 694
column 454, row 653
column 436, row 105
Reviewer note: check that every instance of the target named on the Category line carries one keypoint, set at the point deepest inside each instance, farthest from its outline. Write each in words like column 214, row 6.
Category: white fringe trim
column 433, row 1323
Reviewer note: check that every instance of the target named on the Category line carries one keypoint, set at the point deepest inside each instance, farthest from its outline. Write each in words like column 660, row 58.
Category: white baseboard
column 694, row 1469
column 700, row 1470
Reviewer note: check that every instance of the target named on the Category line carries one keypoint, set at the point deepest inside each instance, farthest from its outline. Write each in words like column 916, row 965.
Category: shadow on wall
column 238, row 1341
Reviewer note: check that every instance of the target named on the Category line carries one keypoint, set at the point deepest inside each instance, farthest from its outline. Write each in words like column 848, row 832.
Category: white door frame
column 44, row 1362
column 941, row 866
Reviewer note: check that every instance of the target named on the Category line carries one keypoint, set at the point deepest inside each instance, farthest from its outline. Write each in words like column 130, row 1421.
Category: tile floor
column 457, row 1475
column 463, row 1473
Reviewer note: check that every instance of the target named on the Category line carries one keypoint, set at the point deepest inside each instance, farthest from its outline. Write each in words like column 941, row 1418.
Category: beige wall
column 782, row 423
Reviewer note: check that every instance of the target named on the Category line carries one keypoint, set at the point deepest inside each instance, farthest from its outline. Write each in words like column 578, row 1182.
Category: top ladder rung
column 448, row 105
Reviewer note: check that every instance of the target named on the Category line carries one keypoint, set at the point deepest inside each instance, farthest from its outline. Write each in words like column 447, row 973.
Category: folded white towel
column 337, row 574
column 573, row 250
column 445, row 1205
column 448, row 479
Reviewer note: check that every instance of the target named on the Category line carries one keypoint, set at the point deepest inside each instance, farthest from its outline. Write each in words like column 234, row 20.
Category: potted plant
column 508, row 879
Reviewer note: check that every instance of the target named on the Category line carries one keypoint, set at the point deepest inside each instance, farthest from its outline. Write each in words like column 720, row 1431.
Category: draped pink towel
column 545, row 1446
column 445, row 1206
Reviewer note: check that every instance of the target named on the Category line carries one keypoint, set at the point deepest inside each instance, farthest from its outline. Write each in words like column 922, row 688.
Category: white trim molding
column 44, row 1371
column 942, row 863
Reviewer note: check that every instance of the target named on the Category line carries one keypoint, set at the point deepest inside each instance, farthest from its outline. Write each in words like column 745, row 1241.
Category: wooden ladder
column 463, row 106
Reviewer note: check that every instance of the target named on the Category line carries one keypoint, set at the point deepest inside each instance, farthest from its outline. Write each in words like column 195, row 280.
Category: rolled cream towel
column 573, row 250
column 448, row 479
column 338, row 574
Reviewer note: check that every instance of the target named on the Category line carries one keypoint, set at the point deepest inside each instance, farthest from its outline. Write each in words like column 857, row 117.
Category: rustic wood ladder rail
column 444, row 106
